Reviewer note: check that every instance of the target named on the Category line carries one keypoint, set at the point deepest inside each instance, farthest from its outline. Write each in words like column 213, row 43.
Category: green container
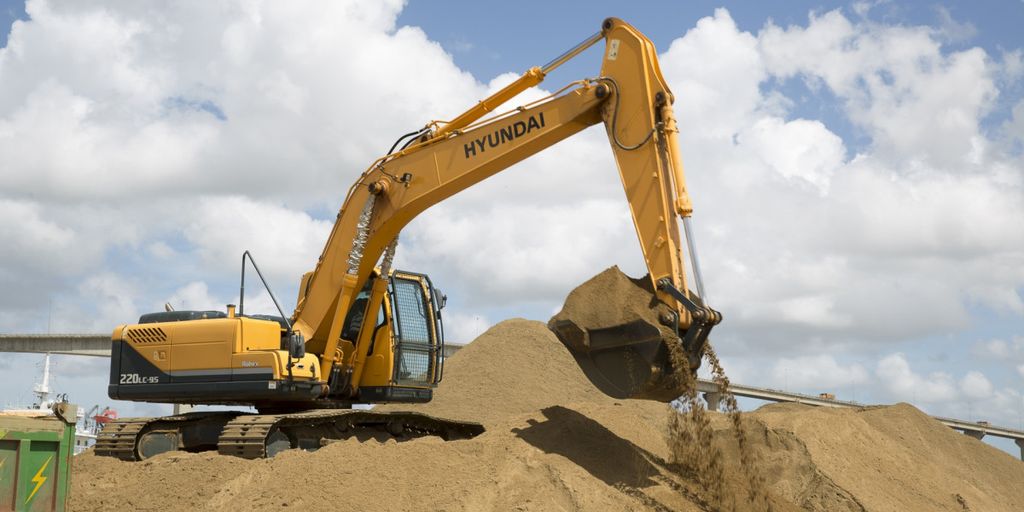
column 35, row 459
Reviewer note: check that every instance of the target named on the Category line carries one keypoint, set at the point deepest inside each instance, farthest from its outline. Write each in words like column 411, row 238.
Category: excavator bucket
column 629, row 360
column 625, row 339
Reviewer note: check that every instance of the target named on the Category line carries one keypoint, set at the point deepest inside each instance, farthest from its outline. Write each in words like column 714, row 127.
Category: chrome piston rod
column 572, row 52
column 691, row 246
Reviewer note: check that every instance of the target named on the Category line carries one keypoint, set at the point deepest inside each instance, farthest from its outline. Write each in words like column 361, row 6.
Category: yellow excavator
column 365, row 333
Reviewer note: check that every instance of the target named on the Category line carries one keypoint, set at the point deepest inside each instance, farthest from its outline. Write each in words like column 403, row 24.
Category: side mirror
column 296, row 345
column 442, row 299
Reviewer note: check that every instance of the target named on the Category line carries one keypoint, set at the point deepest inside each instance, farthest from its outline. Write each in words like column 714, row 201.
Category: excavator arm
column 633, row 101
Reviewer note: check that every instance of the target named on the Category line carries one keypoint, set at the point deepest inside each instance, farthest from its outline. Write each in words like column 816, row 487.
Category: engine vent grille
column 146, row 335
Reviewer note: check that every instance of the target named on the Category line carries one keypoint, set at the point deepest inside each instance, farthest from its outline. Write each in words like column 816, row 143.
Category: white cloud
column 997, row 349
column 463, row 328
column 1014, row 127
column 885, row 74
column 514, row 253
column 976, row 385
column 196, row 296
column 953, row 30
column 818, row 311
column 775, row 141
column 47, row 249
column 195, row 132
column 904, row 384
column 159, row 249
column 284, row 242
column 123, row 97
column 714, row 72
column 862, row 8
column 113, row 303
column 820, row 372
column 32, row 240
column 193, row 296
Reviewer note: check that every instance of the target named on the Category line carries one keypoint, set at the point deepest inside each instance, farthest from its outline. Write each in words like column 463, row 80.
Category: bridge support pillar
column 714, row 400
column 1020, row 444
column 977, row 434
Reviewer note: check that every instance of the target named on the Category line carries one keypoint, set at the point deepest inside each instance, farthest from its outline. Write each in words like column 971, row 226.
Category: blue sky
column 506, row 37
column 871, row 234
column 9, row 12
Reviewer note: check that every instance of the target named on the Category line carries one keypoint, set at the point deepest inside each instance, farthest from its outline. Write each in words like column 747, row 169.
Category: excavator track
column 118, row 438
column 254, row 436
column 264, row 435
column 133, row 439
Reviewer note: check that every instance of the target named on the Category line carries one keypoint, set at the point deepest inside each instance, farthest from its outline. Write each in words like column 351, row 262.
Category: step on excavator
column 363, row 332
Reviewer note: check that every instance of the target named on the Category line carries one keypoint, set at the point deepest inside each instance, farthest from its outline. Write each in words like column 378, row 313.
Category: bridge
column 98, row 345
column 976, row 429
column 71, row 344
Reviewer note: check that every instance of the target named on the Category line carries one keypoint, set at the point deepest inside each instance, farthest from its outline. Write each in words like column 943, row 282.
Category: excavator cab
column 405, row 356
column 417, row 329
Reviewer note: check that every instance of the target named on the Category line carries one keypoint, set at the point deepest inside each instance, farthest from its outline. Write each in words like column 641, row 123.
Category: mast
column 42, row 389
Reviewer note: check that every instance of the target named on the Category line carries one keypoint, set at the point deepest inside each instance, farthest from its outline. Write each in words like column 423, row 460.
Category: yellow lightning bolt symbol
column 39, row 479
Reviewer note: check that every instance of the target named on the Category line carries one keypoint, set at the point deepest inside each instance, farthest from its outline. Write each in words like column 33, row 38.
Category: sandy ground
column 553, row 442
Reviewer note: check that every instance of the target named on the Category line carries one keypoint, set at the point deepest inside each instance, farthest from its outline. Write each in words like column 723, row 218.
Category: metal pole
column 691, row 245
column 241, row 288
column 265, row 285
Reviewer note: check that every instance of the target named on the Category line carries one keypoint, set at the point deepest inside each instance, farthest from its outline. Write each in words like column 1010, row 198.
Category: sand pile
column 881, row 458
column 515, row 367
column 555, row 443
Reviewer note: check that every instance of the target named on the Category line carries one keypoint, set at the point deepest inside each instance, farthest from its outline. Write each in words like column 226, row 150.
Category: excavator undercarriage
column 254, row 436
